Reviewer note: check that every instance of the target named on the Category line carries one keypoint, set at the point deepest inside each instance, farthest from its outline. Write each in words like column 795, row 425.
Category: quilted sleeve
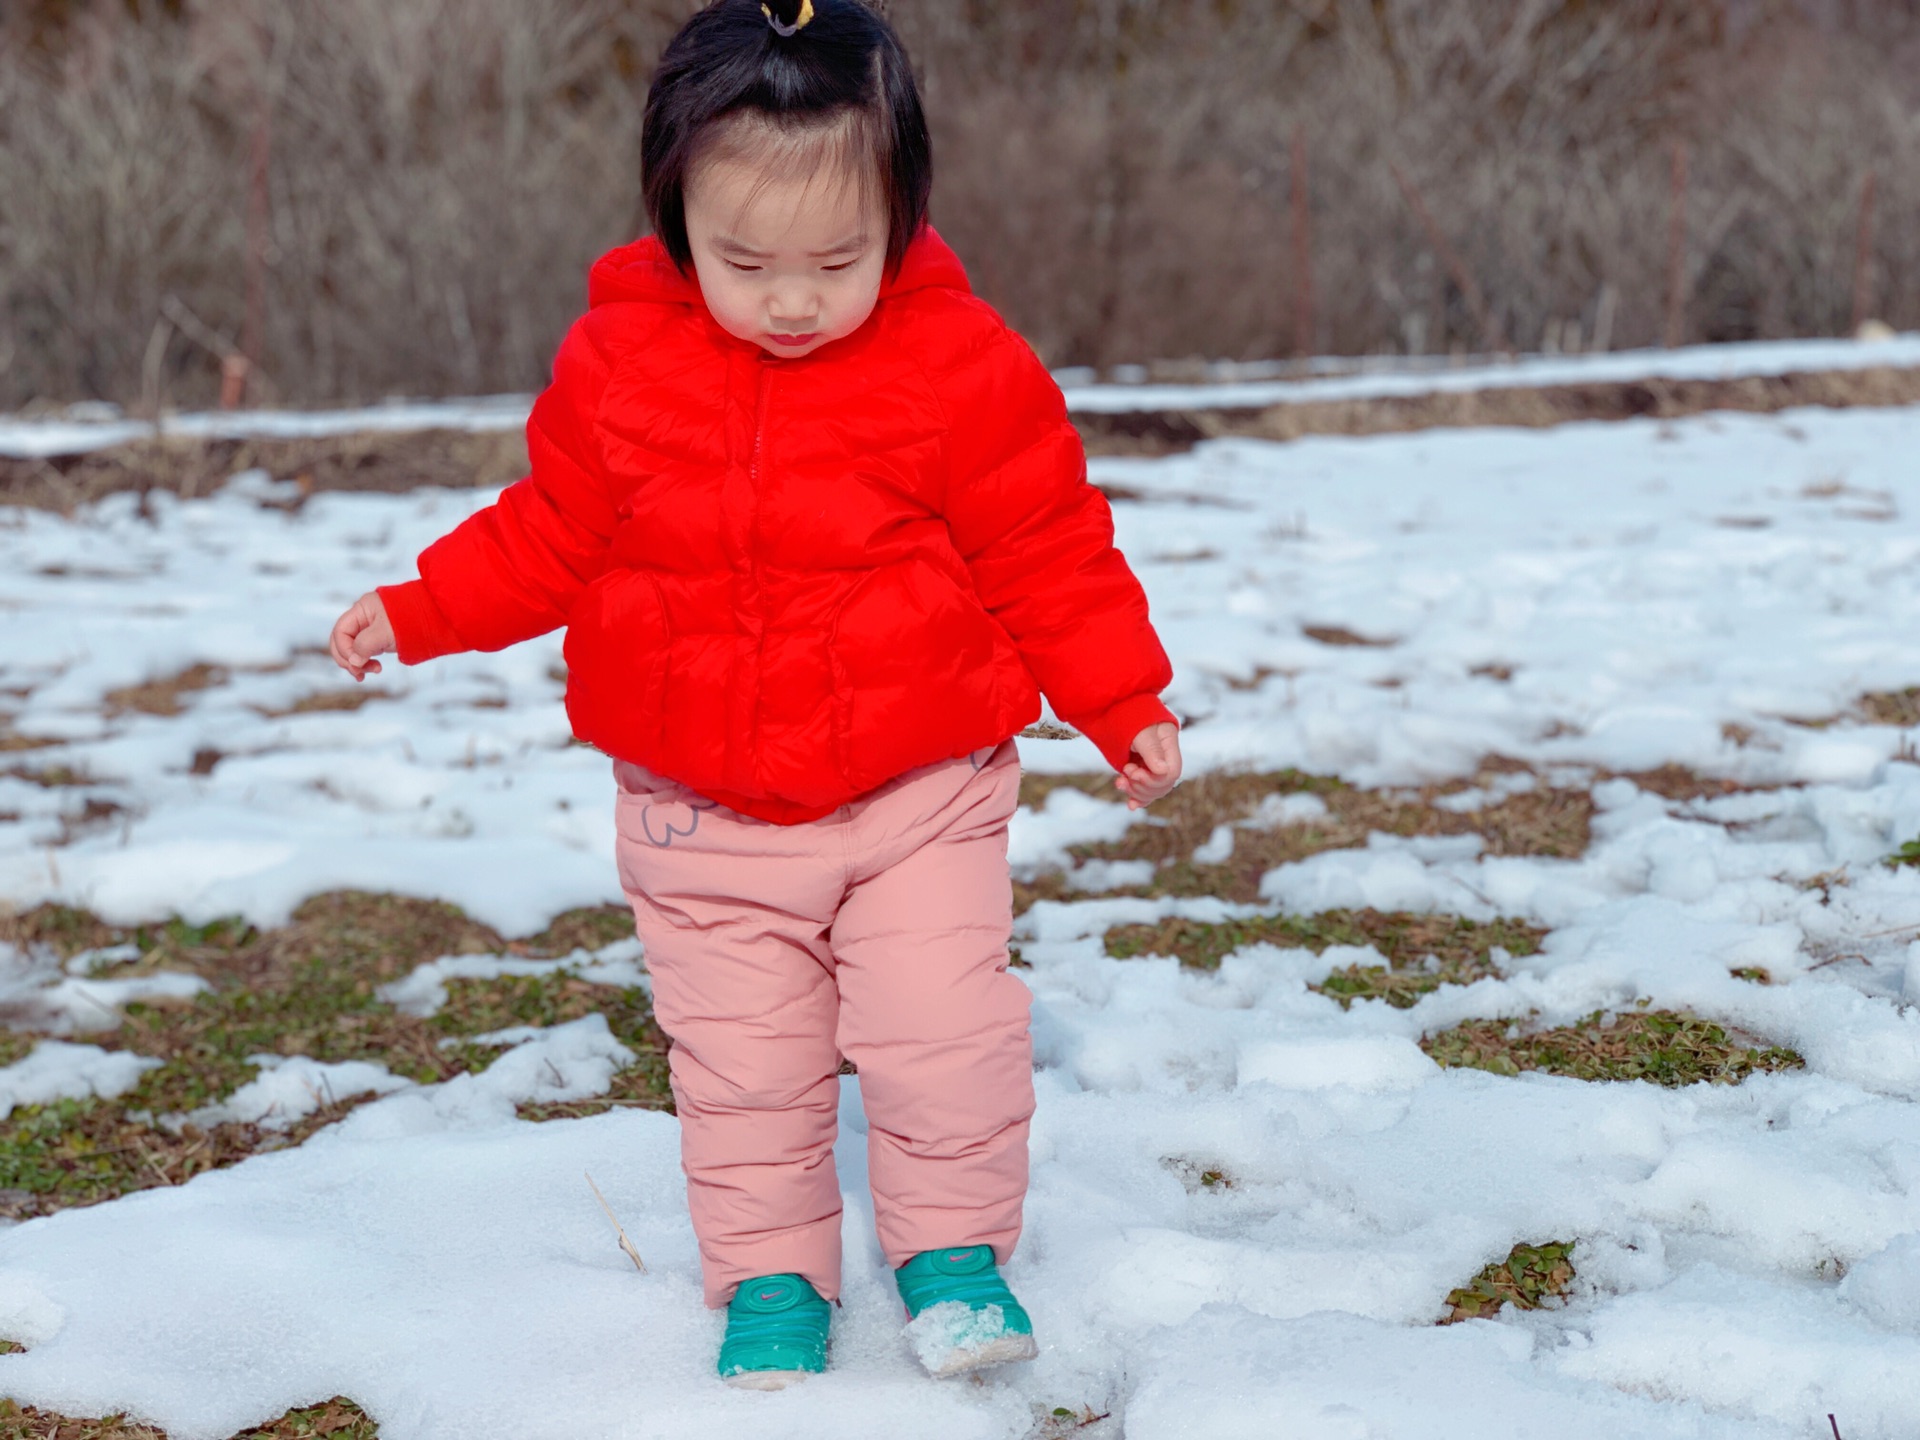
column 513, row 570
column 1038, row 539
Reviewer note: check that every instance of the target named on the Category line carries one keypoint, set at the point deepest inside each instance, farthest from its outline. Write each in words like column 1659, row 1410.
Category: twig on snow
column 626, row 1245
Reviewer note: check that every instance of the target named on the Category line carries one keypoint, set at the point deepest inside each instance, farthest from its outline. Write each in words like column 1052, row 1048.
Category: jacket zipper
column 759, row 428
column 763, row 385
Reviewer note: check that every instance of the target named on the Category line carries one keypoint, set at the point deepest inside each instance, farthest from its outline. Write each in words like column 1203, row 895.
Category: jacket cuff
column 1113, row 729
column 421, row 629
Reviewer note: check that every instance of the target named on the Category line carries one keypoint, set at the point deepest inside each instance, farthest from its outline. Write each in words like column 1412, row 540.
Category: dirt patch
column 1160, row 432
column 1665, row 1047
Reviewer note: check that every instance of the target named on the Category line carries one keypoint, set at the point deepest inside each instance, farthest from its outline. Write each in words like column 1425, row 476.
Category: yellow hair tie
column 799, row 21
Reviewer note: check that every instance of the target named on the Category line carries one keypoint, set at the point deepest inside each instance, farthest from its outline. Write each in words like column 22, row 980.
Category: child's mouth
column 793, row 341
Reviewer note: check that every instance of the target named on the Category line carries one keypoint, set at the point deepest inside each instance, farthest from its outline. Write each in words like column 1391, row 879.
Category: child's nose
column 792, row 304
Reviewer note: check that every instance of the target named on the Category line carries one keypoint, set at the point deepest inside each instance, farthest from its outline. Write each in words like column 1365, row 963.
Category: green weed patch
column 1423, row 952
column 309, row 988
column 1664, row 1047
column 1907, row 854
column 1531, row 1277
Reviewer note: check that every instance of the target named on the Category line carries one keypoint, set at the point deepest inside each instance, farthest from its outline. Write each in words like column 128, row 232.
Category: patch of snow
column 56, row 1070
column 1300, row 808
column 423, row 990
column 37, row 992
column 1362, row 1062
column 292, row 1087
column 1228, row 1376
column 1038, row 839
column 1217, row 848
column 1479, row 797
column 1693, row 362
column 78, row 434
column 1110, row 874
column 1885, row 1286
column 511, row 1035
column 945, row 1337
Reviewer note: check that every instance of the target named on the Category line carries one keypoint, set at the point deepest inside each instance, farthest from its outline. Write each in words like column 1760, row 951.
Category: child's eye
column 749, row 269
column 843, row 265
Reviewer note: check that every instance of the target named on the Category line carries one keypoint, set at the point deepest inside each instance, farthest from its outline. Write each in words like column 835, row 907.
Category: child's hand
column 360, row 634
column 1154, row 768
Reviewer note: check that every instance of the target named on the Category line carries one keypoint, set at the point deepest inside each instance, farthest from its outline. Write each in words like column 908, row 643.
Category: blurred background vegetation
column 400, row 197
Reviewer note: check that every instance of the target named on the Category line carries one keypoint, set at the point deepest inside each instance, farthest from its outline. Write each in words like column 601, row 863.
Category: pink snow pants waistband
column 878, row 934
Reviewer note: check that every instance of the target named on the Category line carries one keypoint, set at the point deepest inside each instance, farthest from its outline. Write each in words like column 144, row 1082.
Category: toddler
column 820, row 535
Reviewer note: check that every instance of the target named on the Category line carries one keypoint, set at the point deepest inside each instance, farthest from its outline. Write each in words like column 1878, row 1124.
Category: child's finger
column 340, row 642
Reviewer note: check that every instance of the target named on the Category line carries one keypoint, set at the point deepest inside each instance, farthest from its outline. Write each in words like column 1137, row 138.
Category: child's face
column 789, row 262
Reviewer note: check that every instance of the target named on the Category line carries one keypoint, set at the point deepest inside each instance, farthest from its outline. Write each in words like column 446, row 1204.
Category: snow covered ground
column 1396, row 375
column 94, row 427
column 1589, row 600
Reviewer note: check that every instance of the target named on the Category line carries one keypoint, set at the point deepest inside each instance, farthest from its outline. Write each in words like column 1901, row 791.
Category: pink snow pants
column 877, row 934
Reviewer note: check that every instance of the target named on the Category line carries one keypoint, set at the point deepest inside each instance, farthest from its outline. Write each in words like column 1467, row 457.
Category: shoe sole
column 766, row 1379
column 1004, row 1351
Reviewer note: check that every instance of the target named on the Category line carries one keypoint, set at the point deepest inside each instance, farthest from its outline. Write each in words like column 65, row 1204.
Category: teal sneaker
column 776, row 1333
column 964, row 1316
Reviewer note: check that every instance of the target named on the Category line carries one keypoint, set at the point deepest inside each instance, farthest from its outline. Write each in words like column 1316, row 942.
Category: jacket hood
column 642, row 271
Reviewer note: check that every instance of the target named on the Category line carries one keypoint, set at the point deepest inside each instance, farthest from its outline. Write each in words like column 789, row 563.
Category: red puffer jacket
column 787, row 581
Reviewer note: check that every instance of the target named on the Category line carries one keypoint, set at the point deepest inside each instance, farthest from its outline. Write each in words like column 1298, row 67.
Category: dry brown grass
column 307, row 988
column 1679, row 783
column 1340, row 636
column 1117, row 178
column 1544, row 821
column 13, row 742
column 397, row 462
column 163, row 695
column 1896, row 707
column 384, row 461
column 338, row 1418
column 1156, row 432
column 345, row 698
column 1423, row 952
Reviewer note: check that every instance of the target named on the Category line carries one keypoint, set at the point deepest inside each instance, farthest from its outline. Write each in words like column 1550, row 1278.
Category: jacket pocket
column 619, row 652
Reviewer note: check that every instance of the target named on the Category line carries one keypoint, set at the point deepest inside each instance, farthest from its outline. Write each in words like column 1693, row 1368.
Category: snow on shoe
column 952, row 1337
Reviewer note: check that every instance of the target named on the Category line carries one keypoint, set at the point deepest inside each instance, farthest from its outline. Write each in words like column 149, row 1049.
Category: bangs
column 835, row 99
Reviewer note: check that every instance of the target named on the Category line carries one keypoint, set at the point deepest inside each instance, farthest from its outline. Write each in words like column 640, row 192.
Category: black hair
column 829, row 62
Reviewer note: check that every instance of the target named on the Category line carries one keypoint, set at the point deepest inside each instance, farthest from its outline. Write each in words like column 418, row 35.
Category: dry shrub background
column 1116, row 173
